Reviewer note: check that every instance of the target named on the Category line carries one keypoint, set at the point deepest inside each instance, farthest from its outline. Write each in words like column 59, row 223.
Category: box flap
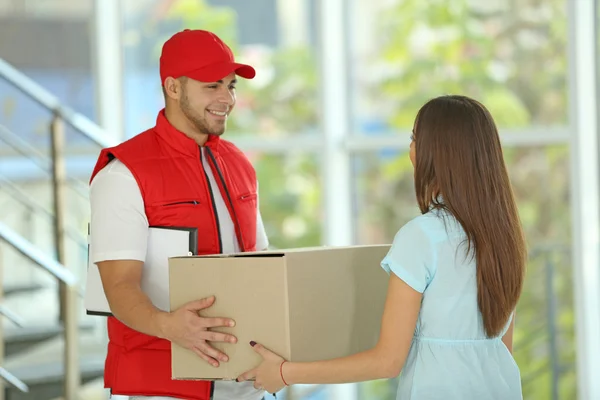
column 280, row 252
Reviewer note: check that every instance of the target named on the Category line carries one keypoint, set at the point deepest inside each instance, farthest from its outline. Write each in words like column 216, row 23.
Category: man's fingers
column 217, row 322
column 212, row 352
column 200, row 304
column 217, row 337
column 206, row 358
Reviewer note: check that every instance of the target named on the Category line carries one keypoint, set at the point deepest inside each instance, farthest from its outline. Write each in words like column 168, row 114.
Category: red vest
column 168, row 168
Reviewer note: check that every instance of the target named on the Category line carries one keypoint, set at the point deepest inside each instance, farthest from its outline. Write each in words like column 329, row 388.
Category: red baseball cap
column 199, row 55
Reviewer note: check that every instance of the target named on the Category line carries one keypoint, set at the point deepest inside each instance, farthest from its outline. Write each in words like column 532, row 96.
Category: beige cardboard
column 304, row 304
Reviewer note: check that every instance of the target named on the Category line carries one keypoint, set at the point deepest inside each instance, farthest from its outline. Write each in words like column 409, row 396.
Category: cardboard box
column 304, row 304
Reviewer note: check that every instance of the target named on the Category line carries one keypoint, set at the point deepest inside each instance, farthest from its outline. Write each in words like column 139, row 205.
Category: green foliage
column 290, row 199
column 285, row 103
column 197, row 14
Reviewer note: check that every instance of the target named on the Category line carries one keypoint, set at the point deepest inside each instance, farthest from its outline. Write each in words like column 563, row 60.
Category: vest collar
column 178, row 140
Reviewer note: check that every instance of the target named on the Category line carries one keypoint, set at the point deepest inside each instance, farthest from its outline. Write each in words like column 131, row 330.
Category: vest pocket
column 248, row 196
column 178, row 203
column 247, row 212
column 172, row 203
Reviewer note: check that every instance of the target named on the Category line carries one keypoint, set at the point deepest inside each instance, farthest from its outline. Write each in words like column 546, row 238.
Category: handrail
column 11, row 316
column 41, row 160
column 34, row 254
column 13, row 380
column 36, row 207
column 36, row 92
column 24, row 148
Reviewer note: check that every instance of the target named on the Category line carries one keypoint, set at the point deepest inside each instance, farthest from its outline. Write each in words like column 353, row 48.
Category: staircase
column 49, row 348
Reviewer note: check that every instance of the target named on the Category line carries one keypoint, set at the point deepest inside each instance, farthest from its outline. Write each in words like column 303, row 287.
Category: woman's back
column 451, row 357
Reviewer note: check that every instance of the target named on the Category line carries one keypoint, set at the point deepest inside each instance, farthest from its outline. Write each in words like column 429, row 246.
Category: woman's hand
column 267, row 375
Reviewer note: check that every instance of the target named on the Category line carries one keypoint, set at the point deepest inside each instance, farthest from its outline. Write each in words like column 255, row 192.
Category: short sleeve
column 118, row 226
column 410, row 256
column 262, row 240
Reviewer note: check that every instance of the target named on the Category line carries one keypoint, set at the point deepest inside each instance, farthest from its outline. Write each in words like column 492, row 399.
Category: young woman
column 456, row 274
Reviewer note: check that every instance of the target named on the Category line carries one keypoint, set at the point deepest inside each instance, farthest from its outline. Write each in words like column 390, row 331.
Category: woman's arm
column 385, row 360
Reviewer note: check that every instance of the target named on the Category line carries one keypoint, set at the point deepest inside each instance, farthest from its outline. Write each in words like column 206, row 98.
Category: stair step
column 93, row 390
column 22, row 288
column 38, row 332
column 21, row 339
column 43, row 363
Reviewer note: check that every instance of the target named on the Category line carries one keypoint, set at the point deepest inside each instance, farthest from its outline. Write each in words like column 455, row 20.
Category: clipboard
column 163, row 243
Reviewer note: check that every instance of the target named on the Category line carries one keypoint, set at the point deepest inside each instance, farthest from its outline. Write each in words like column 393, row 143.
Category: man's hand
column 188, row 329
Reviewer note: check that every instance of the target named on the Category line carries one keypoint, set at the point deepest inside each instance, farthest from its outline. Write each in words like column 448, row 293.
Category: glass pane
column 384, row 195
column 280, row 101
column 49, row 43
column 290, row 198
column 544, row 342
column 407, row 51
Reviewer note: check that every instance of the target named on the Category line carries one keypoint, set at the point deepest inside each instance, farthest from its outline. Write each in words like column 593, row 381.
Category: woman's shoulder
column 433, row 219
column 434, row 225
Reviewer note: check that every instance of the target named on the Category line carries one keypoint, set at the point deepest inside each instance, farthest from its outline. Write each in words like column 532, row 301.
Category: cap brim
column 216, row 72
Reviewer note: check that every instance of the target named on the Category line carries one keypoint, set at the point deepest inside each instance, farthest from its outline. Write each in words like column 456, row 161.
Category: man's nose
column 227, row 97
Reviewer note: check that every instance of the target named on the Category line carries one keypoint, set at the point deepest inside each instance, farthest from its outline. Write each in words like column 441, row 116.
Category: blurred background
column 326, row 123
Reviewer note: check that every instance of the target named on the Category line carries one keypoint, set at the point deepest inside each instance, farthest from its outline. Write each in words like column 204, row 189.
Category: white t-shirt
column 119, row 231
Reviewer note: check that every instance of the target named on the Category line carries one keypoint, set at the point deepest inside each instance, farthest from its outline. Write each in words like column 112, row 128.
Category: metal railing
column 34, row 91
column 50, row 265
column 13, row 380
column 55, row 167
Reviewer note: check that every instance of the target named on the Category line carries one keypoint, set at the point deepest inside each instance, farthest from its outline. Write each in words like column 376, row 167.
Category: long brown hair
column 459, row 156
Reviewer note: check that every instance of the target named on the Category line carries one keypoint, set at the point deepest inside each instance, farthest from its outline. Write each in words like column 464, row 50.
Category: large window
column 512, row 56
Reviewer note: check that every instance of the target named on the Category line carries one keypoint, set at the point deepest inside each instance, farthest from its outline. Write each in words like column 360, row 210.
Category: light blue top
column 450, row 357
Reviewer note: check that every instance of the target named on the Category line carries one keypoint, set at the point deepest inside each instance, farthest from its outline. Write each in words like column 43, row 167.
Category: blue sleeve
column 410, row 256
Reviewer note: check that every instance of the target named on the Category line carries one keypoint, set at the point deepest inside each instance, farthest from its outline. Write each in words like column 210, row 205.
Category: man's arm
column 119, row 234
column 121, row 281
column 130, row 305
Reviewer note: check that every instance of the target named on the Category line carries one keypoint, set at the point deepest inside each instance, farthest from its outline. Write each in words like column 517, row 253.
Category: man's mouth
column 218, row 113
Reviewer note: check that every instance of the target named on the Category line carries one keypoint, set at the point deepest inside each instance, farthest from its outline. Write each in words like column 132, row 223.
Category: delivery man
column 179, row 173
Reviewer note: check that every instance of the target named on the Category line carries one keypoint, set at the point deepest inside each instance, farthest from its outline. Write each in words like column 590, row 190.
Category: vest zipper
column 212, row 202
column 237, row 223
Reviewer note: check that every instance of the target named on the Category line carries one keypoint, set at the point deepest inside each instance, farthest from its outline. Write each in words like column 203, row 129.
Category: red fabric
column 169, row 172
column 199, row 55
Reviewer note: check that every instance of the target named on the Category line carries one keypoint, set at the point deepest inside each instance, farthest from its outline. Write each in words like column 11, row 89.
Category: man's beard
column 195, row 119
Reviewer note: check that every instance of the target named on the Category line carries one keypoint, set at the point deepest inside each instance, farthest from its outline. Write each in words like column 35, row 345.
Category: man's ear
column 172, row 88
